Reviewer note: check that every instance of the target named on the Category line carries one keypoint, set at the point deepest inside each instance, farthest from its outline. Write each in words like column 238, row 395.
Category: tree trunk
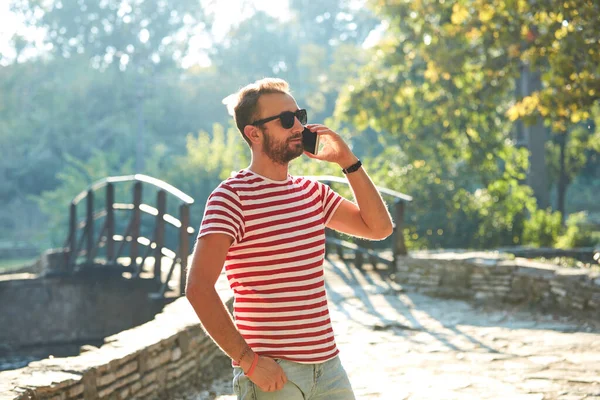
column 562, row 178
column 535, row 137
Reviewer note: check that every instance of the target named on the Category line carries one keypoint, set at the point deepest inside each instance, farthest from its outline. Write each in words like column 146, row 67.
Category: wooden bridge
column 84, row 243
column 89, row 248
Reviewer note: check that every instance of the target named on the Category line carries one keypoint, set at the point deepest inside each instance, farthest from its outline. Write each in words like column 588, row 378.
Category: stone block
column 182, row 360
column 503, row 269
column 571, row 275
column 540, row 273
column 109, row 390
column 195, row 341
column 126, row 358
column 482, row 296
column 159, row 359
column 125, row 393
column 90, row 391
column 142, row 360
column 105, row 392
column 403, row 268
column 136, row 387
column 149, row 378
column 127, row 369
column 75, row 390
column 161, row 378
column 106, row 379
column 184, row 368
column 53, row 261
column 175, row 354
column 148, row 392
column 183, row 340
column 430, row 282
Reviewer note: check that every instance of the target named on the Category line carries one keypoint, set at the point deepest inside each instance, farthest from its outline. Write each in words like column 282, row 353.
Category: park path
column 398, row 344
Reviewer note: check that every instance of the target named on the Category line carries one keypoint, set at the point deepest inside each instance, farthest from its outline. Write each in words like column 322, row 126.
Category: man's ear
column 253, row 133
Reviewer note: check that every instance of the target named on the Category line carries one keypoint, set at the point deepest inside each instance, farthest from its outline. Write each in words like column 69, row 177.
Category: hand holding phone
column 310, row 141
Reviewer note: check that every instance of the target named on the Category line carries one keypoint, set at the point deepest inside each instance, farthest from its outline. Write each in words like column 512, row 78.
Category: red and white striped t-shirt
column 275, row 263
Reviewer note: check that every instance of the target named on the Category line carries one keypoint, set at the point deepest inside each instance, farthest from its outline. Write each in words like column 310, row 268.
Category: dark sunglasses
column 287, row 118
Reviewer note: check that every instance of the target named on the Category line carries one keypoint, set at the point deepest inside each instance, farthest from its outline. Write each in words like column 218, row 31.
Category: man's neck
column 266, row 167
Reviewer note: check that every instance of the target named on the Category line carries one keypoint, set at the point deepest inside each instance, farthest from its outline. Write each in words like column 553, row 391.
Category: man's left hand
column 333, row 149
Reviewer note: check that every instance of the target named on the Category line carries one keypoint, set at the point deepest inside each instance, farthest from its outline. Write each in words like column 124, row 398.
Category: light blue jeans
column 325, row 381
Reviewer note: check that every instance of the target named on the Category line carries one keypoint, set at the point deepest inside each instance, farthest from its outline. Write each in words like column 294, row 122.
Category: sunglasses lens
column 301, row 114
column 287, row 119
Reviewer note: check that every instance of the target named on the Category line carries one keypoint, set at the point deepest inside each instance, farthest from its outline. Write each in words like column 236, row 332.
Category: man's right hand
column 268, row 375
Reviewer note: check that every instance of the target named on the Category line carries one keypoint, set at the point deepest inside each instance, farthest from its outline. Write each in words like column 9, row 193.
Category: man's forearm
column 218, row 323
column 372, row 207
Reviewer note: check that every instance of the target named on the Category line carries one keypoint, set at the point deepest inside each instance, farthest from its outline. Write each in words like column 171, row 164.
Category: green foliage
column 577, row 233
column 441, row 90
column 210, row 158
column 74, row 178
column 115, row 32
column 432, row 111
column 542, row 228
column 206, row 163
column 581, row 143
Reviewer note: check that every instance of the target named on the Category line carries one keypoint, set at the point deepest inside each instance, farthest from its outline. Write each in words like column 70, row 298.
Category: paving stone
column 398, row 344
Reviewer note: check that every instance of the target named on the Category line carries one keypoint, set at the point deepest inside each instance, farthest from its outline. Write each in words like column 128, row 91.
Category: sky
column 224, row 19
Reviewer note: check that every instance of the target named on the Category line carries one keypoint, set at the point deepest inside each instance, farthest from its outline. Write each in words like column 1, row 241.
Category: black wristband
column 352, row 168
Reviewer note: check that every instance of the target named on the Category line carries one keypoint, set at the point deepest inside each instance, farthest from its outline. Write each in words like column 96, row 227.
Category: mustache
column 295, row 137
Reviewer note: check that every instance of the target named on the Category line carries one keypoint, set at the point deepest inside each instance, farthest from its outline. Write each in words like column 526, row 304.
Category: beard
column 281, row 152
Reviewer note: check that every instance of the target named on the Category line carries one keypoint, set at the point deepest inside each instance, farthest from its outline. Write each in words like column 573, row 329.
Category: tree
column 569, row 153
column 115, row 31
column 442, row 82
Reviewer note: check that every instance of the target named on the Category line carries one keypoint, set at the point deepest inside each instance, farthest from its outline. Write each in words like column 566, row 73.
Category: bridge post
column 110, row 223
column 72, row 254
column 368, row 244
column 135, row 225
column 184, row 245
column 89, row 226
column 159, row 236
column 339, row 248
column 398, row 244
column 358, row 258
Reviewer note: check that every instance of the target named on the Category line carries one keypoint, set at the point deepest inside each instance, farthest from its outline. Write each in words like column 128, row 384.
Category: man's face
column 279, row 144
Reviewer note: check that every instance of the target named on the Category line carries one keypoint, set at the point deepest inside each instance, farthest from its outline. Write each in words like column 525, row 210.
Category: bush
column 577, row 233
column 542, row 228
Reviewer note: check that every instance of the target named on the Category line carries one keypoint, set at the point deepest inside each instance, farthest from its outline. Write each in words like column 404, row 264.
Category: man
column 268, row 229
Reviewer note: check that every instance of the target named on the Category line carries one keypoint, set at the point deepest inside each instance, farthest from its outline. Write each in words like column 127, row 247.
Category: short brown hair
column 245, row 106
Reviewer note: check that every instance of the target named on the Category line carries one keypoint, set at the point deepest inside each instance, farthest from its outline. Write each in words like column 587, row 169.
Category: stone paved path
column 403, row 345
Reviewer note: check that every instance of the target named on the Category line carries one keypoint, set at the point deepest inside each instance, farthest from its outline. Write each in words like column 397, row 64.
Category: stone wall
column 75, row 308
column 168, row 354
column 569, row 290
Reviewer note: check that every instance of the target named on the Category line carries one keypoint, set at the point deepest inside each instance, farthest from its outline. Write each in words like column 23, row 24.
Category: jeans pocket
column 236, row 382
column 243, row 387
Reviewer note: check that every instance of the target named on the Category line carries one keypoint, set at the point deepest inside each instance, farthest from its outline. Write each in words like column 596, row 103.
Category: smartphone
column 310, row 141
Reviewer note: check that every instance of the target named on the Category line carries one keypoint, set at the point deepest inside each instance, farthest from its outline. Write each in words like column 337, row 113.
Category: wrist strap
column 253, row 366
column 352, row 168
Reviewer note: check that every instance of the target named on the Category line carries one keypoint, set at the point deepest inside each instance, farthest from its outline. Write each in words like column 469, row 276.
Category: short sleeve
column 223, row 214
column 330, row 200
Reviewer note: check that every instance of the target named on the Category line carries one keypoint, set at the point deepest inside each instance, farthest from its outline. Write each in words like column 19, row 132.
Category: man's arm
column 368, row 218
column 208, row 260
